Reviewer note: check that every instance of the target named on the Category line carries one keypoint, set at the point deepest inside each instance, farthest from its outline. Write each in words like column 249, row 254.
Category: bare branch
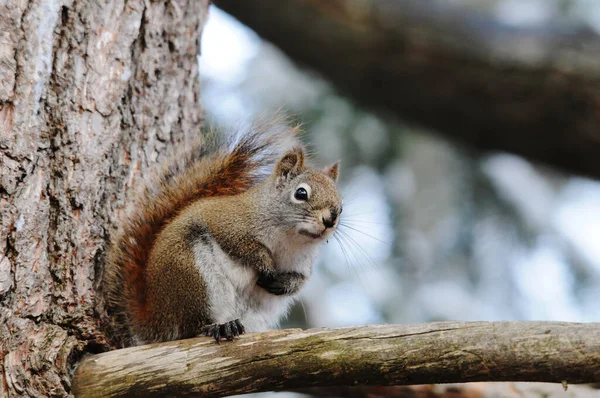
column 443, row 352
column 534, row 91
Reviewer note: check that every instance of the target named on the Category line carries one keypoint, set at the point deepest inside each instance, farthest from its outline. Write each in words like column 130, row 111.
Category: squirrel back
column 214, row 167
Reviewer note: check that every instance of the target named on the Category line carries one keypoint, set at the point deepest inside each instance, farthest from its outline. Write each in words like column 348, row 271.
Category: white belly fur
column 232, row 289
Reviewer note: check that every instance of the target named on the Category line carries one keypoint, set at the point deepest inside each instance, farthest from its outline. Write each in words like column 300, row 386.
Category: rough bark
column 444, row 352
column 91, row 94
column 535, row 92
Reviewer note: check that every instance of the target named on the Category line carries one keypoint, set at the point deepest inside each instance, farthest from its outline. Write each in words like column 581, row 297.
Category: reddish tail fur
column 209, row 169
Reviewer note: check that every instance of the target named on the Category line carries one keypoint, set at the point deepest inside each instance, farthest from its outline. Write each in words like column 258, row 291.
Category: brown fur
column 169, row 267
column 210, row 169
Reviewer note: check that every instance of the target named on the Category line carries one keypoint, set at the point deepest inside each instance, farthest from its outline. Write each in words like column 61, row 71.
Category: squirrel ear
column 333, row 171
column 291, row 164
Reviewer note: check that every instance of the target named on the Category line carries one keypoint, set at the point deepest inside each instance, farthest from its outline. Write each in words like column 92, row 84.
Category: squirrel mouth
column 310, row 234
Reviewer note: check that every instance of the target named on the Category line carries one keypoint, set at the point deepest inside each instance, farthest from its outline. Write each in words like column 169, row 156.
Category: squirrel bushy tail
column 213, row 167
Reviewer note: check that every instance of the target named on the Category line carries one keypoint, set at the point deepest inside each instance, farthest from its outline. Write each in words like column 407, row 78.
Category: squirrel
column 217, row 245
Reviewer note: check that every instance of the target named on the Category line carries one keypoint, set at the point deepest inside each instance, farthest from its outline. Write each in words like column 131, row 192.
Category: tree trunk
column 534, row 92
column 91, row 95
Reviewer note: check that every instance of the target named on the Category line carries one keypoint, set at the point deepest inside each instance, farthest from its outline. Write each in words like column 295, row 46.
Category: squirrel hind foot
column 228, row 330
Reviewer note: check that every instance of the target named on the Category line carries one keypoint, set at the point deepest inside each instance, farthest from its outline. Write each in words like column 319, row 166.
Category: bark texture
column 444, row 352
column 534, row 92
column 91, row 94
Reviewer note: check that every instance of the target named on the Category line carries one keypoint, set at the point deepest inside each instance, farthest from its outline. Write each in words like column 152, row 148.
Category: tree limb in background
column 444, row 352
column 534, row 92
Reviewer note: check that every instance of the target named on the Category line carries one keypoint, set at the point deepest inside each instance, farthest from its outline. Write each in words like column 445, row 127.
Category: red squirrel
column 222, row 241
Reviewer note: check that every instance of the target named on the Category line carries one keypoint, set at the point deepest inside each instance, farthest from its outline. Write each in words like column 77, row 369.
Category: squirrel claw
column 228, row 330
column 212, row 330
column 241, row 329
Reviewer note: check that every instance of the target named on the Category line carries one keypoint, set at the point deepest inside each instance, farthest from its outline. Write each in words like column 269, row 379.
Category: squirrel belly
column 227, row 287
column 217, row 247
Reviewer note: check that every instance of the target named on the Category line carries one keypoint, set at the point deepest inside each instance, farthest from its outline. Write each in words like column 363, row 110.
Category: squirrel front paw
column 279, row 283
column 228, row 330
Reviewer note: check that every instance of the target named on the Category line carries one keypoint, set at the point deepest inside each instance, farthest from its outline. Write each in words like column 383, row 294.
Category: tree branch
column 534, row 91
column 443, row 352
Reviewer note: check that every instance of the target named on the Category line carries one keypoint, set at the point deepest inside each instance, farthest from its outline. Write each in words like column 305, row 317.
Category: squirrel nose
column 331, row 221
column 328, row 223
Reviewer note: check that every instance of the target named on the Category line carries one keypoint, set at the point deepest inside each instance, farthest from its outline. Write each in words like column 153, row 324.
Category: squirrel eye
column 301, row 194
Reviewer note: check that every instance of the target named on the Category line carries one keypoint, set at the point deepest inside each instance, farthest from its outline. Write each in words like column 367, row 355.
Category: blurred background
column 436, row 226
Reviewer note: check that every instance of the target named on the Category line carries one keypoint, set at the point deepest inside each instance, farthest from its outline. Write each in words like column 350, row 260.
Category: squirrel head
column 306, row 199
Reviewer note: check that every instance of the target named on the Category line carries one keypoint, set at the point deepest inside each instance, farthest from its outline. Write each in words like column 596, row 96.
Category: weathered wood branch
column 443, row 352
column 535, row 92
